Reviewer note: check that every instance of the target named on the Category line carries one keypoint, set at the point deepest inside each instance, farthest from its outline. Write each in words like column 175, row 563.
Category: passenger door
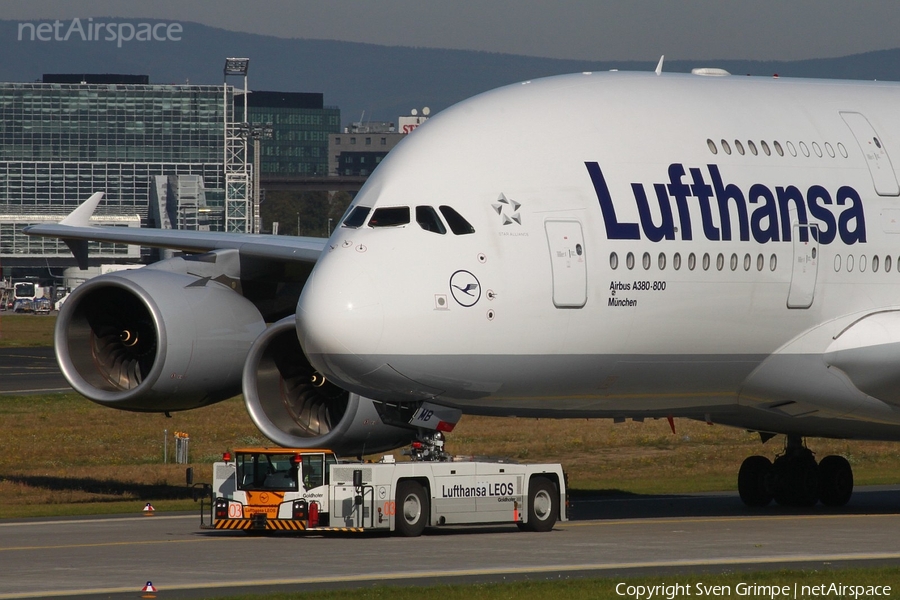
column 568, row 263
column 877, row 159
column 805, row 266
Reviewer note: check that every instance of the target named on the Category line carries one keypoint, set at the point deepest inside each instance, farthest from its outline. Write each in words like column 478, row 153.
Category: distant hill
column 383, row 81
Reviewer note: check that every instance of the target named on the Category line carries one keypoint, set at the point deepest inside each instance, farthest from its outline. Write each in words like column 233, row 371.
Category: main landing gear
column 794, row 479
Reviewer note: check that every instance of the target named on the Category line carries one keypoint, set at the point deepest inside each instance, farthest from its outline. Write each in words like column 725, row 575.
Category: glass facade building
column 157, row 151
column 301, row 125
column 61, row 142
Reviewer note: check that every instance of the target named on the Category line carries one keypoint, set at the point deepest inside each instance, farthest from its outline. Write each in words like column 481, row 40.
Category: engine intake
column 294, row 406
column 151, row 340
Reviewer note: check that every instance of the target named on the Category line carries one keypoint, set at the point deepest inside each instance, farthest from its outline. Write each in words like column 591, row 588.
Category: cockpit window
column 357, row 217
column 390, row 216
column 428, row 219
column 458, row 225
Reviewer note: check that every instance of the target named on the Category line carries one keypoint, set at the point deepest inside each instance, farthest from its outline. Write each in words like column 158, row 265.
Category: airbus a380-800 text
column 619, row 245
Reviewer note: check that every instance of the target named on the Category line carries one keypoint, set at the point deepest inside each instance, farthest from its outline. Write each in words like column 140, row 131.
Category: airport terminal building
column 301, row 125
column 171, row 156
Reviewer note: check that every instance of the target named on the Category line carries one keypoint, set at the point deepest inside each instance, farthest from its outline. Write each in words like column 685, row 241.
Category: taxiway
column 613, row 536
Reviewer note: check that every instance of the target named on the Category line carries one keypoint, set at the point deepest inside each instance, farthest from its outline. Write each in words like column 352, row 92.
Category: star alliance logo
column 508, row 209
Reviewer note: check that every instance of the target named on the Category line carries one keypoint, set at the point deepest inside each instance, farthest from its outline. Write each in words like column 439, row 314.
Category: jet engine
column 155, row 340
column 294, row 406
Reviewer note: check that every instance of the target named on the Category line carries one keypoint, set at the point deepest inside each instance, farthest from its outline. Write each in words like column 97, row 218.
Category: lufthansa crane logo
column 465, row 288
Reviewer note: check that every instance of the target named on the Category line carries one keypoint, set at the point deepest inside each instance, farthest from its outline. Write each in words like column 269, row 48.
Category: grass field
column 25, row 330
column 63, row 454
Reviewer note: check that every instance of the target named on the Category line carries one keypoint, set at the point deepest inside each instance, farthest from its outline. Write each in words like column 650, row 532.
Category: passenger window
column 458, row 225
column 392, row 216
column 357, row 217
column 428, row 219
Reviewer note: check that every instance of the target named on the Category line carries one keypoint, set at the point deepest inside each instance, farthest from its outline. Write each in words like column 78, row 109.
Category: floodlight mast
column 237, row 66
column 238, row 170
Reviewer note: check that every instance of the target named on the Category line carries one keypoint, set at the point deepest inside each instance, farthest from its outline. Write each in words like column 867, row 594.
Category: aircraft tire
column 796, row 480
column 412, row 509
column 753, row 481
column 835, row 481
column 543, row 505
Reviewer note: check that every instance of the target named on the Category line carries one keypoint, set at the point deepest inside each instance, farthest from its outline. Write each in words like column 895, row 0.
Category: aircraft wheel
column 796, row 480
column 412, row 509
column 835, row 481
column 754, row 481
column 543, row 505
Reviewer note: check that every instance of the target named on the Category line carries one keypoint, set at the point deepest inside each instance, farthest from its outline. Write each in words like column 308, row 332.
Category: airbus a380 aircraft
column 621, row 245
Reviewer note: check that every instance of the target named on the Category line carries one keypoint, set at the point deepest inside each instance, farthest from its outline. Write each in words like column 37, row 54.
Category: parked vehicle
column 43, row 306
column 23, row 305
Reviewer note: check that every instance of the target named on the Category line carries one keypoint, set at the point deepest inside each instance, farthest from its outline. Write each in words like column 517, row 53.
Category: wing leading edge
column 76, row 231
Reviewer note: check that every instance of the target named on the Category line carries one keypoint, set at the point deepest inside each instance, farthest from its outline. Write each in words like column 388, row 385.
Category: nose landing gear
column 794, row 478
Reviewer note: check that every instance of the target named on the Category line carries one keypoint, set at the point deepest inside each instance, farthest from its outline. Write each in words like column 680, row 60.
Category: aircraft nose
column 340, row 319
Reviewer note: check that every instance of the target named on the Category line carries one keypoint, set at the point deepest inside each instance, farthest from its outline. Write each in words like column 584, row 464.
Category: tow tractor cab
column 271, row 488
column 287, row 489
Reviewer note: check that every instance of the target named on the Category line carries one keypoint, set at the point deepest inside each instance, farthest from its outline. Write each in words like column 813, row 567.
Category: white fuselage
column 624, row 263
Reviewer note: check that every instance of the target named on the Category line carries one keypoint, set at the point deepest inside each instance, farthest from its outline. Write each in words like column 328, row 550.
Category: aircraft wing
column 76, row 231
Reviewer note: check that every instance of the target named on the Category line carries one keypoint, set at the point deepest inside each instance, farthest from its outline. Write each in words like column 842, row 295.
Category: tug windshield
column 264, row 471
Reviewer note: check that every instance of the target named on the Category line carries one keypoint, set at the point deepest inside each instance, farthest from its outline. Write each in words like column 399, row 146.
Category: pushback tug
column 308, row 490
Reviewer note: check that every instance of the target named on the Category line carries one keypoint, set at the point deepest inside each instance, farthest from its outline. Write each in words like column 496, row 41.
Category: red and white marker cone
column 148, row 512
column 149, row 591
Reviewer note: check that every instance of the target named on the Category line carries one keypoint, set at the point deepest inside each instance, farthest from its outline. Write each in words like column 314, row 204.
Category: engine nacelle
column 154, row 340
column 294, row 408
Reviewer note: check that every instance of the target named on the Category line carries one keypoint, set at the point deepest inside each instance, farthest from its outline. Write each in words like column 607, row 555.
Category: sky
column 574, row 29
